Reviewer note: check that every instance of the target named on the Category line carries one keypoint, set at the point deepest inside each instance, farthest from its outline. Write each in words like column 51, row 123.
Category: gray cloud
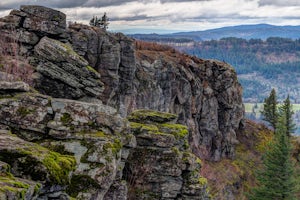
column 101, row 3
column 279, row 2
column 169, row 1
column 13, row 4
column 172, row 14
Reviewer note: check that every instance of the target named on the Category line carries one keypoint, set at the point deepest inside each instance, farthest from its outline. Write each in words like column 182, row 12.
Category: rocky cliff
column 59, row 148
column 71, row 128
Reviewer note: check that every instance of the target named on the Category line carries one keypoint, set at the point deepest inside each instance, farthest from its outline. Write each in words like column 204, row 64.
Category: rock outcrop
column 92, row 133
column 61, row 148
column 59, row 71
column 166, row 168
column 204, row 93
column 86, row 83
column 134, row 75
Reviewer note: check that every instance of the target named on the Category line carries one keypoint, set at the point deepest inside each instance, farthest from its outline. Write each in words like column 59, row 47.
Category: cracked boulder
column 63, row 73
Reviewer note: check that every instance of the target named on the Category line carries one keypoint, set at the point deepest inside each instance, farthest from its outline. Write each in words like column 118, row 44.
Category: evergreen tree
column 286, row 113
column 93, row 21
column 270, row 112
column 102, row 23
column 275, row 180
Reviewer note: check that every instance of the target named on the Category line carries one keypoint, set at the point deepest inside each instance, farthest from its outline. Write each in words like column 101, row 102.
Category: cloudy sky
column 172, row 15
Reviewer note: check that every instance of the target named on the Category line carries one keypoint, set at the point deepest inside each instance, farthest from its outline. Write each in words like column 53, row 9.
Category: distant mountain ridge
column 256, row 31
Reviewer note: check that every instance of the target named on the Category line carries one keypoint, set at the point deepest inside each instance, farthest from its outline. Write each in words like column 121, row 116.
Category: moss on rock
column 114, row 146
column 81, row 183
column 66, row 119
column 36, row 161
column 91, row 69
column 139, row 127
column 59, row 166
column 22, row 111
column 178, row 130
column 16, row 188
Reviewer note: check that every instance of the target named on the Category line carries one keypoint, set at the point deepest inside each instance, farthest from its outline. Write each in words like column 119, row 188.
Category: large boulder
column 63, row 73
column 31, row 160
column 44, row 20
column 94, row 134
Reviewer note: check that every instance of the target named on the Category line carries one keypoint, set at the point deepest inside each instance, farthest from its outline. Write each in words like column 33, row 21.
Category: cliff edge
column 86, row 84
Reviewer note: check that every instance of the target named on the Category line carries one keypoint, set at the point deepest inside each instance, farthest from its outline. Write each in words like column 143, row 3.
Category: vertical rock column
column 162, row 165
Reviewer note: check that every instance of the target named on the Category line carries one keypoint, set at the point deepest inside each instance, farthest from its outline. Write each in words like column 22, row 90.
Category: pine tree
column 286, row 111
column 93, row 21
column 270, row 112
column 102, row 23
column 275, row 180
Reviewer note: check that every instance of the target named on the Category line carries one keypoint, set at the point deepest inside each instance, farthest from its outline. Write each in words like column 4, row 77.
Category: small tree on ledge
column 102, row 23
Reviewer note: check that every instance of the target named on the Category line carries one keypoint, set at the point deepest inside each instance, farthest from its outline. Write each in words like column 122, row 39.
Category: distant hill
column 261, row 64
column 257, row 31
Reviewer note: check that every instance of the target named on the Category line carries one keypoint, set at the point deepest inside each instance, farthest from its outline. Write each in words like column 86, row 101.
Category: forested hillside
column 257, row 31
column 261, row 65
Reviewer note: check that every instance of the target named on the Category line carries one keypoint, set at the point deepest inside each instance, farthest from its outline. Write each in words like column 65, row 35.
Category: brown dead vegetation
column 13, row 66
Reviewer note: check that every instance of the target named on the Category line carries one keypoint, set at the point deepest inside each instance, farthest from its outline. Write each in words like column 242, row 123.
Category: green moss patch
column 22, row 111
column 115, row 146
column 96, row 134
column 66, row 119
column 59, row 166
column 202, row 181
column 81, row 183
column 11, row 186
column 153, row 122
column 139, row 127
column 40, row 162
column 12, row 182
column 178, row 130
column 91, row 69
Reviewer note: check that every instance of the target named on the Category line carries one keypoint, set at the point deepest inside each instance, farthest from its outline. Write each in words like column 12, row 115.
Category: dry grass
column 151, row 46
column 238, row 175
column 14, row 66
column 152, row 51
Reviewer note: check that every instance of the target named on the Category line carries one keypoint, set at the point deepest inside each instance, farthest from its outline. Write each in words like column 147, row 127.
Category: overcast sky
column 172, row 15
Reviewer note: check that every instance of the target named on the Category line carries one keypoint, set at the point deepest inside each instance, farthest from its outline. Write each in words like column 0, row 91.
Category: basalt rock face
column 113, row 56
column 166, row 168
column 204, row 93
column 60, row 148
column 72, row 126
column 90, row 64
